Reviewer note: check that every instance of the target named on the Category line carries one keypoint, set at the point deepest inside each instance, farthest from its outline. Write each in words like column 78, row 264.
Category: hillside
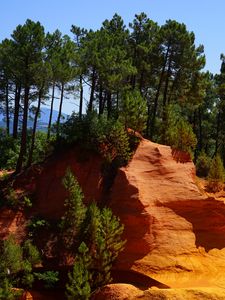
column 42, row 121
column 174, row 231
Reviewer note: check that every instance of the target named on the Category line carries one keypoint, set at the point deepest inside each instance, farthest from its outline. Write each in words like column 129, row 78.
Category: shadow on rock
column 207, row 218
column 124, row 201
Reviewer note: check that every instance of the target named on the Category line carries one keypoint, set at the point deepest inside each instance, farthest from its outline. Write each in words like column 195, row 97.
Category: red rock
column 171, row 227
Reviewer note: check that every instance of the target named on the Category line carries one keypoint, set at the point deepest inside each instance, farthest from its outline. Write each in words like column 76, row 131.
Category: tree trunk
column 16, row 111
column 141, row 83
column 217, row 132
column 200, row 128
column 148, row 122
column 51, row 111
column 152, row 129
column 81, row 98
column 93, row 82
column 7, row 107
column 166, row 88
column 109, row 104
column 60, row 110
column 30, row 158
column 23, row 146
column 100, row 100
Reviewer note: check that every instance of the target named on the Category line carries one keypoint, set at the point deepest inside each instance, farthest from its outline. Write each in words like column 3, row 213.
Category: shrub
column 105, row 136
column 7, row 292
column 177, row 132
column 11, row 198
column 216, row 174
column 50, row 278
column 16, row 265
column 11, row 257
column 133, row 110
column 43, row 146
column 203, row 164
column 9, row 149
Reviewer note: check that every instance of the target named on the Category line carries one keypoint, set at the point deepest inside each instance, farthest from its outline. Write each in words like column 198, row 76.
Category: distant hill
column 42, row 121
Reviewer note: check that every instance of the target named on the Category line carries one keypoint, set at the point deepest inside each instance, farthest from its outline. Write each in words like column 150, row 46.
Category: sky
column 204, row 17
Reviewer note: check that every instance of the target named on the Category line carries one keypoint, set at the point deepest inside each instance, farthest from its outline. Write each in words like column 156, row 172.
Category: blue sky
column 205, row 18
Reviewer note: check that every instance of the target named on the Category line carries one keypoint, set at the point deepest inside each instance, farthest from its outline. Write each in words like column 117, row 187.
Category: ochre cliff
column 175, row 234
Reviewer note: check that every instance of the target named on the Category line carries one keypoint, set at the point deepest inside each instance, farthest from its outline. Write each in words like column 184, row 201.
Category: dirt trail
column 174, row 232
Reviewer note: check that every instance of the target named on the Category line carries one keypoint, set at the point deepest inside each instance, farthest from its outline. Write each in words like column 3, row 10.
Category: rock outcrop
column 175, row 233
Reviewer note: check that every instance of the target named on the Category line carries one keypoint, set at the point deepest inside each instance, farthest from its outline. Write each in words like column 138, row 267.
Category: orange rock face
column 49, row 191
column 175, row 234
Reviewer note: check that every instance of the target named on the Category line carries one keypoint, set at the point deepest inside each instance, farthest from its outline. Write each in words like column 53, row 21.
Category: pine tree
column 203, row 164
column 109, row 245
column 216, row 174
column 75, row 210
column 133, row 111
column 28, row 42
column 78, row 286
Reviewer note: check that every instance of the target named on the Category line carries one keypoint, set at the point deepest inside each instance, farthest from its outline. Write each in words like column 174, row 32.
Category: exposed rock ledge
column 175, row 234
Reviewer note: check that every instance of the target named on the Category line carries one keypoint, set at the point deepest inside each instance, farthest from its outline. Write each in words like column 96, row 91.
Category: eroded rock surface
column 174, row 232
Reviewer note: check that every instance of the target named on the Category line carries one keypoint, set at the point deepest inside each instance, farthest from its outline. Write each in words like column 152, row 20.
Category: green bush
column 43, row 146
column 9, row 149
column 177, row 132
column 7, row 292
column 203, row 164
column 216, row 174
column 16, row 264
column 133, row 110
column 105, row 136
column 50, row 278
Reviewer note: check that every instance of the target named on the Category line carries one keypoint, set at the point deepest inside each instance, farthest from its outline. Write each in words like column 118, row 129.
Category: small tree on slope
column 216, row 174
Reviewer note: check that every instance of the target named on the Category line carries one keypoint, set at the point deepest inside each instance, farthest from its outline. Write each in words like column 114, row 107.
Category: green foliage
column 184, row 138
column 203, row 164
column 43, row 147
column 4, row 175
column 50, row 278
column 31, row 253
column 75, row 210
column 6, row 291
column 35, row 224
column 108, row 244
column 11, row 198
column 99, row 233
column 106, row 136
column 9, row 149
column 133, row 110
column 27, row 202
column 11, row 261
column 216, row 170
column 178, row 132
column 216, row 174
column 78, row 286
column 16, row 264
